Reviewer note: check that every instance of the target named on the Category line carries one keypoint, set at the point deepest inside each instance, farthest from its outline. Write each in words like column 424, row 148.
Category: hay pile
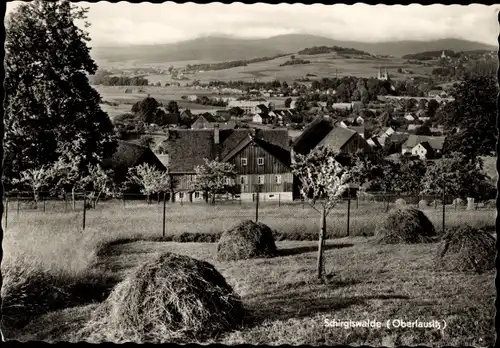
column 466, row 249
column 423, row 203
column 458, row 202
column 246, row 240
column 405, row 225
column 400, row 202
column 172, row 298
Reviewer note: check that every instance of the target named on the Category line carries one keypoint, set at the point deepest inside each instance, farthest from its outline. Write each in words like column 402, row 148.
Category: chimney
column 216, row 134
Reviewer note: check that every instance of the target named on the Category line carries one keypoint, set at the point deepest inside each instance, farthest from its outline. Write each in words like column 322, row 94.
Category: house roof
column 398, row 137
column 128, row 155
column 427, row 146
column 435, row 142
column 358, row 129
column 312, row 135
column 337, row 138
column 187, row 148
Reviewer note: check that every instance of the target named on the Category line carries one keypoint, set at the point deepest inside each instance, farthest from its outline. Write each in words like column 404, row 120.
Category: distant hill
column 216, row 49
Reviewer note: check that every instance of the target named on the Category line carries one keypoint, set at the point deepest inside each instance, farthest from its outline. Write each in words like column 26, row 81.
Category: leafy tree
column 150, row 179
column 146, row 109
column 172, row 107
column 301, row 105
column 236, row 111
column 50, row 107
column 146, row 140
column 386, row 119
column 214, row 177
column 459, row 175
column 474, row 112
column 323, row 180
column 288, row 102
column 411, row 173
column 67, row 177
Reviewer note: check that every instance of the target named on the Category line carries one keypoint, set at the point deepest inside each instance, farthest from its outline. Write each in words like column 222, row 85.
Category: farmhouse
column 203, row 121
column 129, row 155
column 436, row 143
column 423, row 150
column 323, row 132
column 263, row 166
column 248, row 107
column 358, row 129
column 186, row 149
column 386, row 132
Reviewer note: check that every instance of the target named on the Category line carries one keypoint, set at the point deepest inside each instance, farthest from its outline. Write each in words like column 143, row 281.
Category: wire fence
column 351, row 214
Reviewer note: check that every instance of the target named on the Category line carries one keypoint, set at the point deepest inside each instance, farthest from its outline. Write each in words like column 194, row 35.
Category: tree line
column 229, row 64
column 325, row 49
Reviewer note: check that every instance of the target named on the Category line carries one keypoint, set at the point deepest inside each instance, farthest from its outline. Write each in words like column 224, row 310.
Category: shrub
column 466, row 249
column 405, row 225
column 246, row 240
column 172, row 298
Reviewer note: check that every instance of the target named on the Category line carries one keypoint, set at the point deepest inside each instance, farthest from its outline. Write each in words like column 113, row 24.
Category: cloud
column 128, row 23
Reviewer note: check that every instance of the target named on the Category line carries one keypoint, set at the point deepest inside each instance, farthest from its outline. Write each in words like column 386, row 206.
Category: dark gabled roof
column 435, row 142
column 128, row 155
column 187, row 148
column 312, row 135
column 278, row 152
column 427, row 146
column 337, row 138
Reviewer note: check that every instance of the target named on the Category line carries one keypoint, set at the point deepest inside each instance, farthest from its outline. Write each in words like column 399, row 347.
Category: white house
column 248, row 107
column 409, row 117
column 386, row 132
column 360, row 120
column 423, row 150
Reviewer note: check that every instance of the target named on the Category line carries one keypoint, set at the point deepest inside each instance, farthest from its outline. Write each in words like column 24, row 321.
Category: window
column 243, row 179
column 244, row 162
column 278, row 179
column 260, row 179
column 181, row 195
column 228, row 181
column 260, row 161
column 196, row 194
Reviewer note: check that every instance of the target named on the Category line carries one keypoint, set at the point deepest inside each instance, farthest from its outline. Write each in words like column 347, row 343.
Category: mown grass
column 49, row 261
column 286, row 305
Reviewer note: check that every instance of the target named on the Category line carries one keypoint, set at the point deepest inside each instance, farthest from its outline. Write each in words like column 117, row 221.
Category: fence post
column 43, row 198
column 257, row 208
column 65, row 202
column 303, row 203
column 279, row 200
column 17, row 204
column 6, row 210
column 444, row 208
column 348, row 211
column 435, row 202
column 123, row 198
column 164, row 210
column 357, row 202
column 84, row 208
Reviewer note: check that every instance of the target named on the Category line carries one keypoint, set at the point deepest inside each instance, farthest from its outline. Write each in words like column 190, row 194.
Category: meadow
column 49, row 250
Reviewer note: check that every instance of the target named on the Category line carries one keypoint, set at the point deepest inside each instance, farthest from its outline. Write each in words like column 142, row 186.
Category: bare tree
column 323, row 181
column 100, row 181
column 150, row 179
column 214, row 177
column 36, row 179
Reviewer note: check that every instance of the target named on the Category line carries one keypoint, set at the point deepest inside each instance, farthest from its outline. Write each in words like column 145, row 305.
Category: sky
column 147, row 23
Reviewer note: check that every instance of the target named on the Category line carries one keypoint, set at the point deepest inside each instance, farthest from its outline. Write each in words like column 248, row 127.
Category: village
column 258, row 131
column 198, row 173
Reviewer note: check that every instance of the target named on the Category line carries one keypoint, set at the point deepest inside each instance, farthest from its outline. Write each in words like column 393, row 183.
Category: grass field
column 50, row 251
column 323, row 65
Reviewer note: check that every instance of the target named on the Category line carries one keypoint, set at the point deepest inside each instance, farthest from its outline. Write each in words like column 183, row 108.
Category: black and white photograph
column 263, row 174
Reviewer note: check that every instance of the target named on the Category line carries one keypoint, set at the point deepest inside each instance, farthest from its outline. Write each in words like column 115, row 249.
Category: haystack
column 458, row 202
column 423, row 203
column 400, row 202
column 405, row 225
column 246, row 240
column 466, row 249
column 171, row 298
